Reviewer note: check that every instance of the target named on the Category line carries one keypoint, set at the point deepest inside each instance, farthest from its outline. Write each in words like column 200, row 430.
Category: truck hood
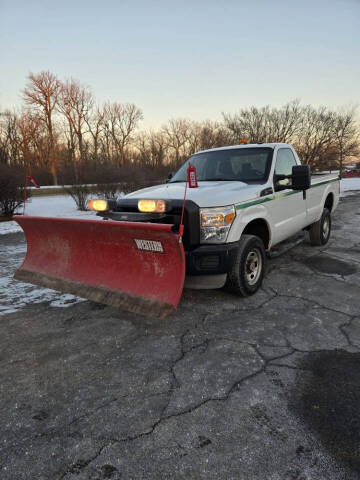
column 208, row 194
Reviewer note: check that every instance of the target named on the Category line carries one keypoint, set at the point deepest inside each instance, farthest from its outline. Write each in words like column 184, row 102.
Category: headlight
column 215, row 224
column 98, row 205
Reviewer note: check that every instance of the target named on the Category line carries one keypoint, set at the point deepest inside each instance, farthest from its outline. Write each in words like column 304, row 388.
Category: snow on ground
column 349, row 184
column 48, row 206
column 14, row 295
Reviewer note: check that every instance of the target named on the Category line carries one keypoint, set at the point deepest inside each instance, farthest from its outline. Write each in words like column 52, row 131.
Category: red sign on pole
column 29, row 178
column 33, row 181
column 191, row 177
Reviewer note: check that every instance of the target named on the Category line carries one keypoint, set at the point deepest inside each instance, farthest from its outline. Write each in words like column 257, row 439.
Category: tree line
column 61, row 132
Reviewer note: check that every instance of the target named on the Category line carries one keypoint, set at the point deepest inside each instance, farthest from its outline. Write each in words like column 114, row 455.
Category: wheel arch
column 260, row 228
column 329, row 201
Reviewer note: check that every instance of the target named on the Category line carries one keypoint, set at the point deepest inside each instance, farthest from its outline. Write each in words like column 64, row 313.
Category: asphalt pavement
column 266, row 387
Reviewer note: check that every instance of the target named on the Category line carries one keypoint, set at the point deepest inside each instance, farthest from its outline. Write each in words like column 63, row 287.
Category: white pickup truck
column 249, row 199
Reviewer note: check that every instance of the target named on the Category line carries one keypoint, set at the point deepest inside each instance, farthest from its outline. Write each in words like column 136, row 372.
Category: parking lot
column 266, row 387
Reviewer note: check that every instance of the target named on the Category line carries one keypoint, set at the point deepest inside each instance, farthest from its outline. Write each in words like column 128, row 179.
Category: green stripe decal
column 269, row 198
column 254, row 202
column 325, row 181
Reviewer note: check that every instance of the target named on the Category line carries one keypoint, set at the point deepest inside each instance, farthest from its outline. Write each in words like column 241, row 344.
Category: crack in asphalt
column 296, row 297
column 235, row 387
column 164, row 418
column 79, row 466
column 240, row 310
column 342, row 328
column 176, row 382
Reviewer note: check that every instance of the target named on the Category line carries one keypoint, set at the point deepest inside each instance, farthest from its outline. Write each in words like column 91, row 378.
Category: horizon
column 191, row 62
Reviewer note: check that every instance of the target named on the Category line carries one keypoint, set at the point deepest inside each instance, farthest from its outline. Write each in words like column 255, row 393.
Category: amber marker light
column 98, row 205
column 152, row 206
column 229, row 218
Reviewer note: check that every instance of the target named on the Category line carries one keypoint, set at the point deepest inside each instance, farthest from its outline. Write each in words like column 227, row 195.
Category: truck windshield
column 249, row 165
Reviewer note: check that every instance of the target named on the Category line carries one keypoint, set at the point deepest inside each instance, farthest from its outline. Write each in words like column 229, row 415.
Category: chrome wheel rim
column 253, row 266
column 326, row 227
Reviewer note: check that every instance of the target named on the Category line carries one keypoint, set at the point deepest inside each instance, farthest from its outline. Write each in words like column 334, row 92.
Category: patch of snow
column 19, row 294
column 61, row 186
column 15, row 295
column 55, row 206
column 9, row 227
column 48, row 206
column 349, row 185
column 65, row 300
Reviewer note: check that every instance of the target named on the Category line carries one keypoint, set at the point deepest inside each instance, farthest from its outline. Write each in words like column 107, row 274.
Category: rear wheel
column 320, row 231
column 247, row 272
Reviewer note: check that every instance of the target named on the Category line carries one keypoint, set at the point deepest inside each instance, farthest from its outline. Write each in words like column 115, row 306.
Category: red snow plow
column 137, row 266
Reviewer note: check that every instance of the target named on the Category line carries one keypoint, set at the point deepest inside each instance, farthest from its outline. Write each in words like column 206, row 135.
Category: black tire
column 238, row 279
column 320, row 231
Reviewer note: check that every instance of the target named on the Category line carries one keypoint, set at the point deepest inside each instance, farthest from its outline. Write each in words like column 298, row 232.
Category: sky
column 191, row 59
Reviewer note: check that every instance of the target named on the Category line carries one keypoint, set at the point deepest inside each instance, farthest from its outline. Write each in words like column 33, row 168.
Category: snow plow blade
column 139, row 267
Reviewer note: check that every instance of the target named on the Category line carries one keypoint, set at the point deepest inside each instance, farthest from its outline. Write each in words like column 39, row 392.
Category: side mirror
column 169, row 176
column 301, row 177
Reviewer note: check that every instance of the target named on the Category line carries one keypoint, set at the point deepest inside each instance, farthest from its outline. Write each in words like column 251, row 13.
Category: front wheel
column 247, row 272
column 320, row 231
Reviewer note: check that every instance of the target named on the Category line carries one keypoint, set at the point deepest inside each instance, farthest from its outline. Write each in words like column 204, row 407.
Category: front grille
column 191, row 238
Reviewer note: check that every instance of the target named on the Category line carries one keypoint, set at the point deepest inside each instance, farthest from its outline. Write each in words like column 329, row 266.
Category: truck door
column 288, row 210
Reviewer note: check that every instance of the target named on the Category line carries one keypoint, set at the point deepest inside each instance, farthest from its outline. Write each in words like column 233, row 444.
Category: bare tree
column 265, row 124
column 29, row 127
column 158, row 149
column 316, row 134
column 285, row 122
column 9, row 137
column 94, row 119
column 176, row 132
column 207, row 134
column 193, row 138
column 62, row 127
column 152, row 148
column 42, row 93
column 75, row 102
column 346, row 135
column 121, row 121
column 250, row 123
column 142, row 143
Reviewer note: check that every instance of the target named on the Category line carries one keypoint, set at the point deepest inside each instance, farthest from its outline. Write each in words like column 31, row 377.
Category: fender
column 246, row 215
column 316, row 198
column 332, row 188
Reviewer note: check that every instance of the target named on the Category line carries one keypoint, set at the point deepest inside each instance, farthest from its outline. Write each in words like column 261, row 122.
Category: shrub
column 108, row 190
column 106, row 181
column 80, row 195
column 11, row 190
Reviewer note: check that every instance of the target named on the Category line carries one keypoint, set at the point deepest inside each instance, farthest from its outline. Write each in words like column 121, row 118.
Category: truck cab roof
column 248, row 145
